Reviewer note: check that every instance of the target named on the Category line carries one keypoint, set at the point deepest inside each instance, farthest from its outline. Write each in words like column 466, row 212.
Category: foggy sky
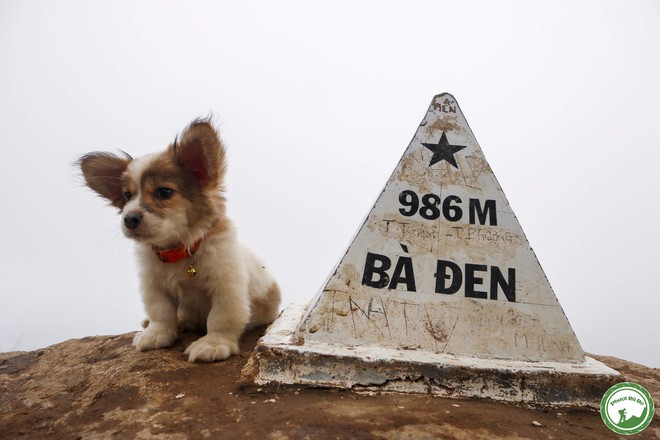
column 317, row 102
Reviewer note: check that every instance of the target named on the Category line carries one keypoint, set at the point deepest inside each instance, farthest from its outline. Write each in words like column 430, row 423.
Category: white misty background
column 317, row 102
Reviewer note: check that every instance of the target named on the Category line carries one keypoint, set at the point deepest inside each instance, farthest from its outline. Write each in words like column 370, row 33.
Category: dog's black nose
column 132, row 220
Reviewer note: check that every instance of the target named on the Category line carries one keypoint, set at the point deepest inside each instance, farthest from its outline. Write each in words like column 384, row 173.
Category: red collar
column 175, row 254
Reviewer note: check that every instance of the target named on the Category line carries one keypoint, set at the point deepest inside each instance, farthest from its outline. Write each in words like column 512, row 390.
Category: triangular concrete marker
column 439, row 292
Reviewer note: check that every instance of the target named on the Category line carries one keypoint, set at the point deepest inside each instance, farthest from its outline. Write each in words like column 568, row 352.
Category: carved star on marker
column 443, row 150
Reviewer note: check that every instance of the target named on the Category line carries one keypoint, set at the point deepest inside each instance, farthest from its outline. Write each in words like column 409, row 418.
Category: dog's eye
column 128, row 196
column 164, row 193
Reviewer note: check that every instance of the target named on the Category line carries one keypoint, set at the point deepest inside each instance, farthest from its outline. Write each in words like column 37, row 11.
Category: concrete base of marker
column 280, row 358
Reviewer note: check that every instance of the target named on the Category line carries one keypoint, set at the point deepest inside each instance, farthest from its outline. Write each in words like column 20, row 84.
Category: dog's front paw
column 211, row 348
column 155, row 336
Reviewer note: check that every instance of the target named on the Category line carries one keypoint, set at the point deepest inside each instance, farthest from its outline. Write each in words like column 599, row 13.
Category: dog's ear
column 102, row 173
column 200, row 151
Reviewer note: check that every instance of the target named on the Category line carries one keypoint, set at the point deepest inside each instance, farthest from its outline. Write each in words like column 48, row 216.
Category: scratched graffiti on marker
column 441, row 262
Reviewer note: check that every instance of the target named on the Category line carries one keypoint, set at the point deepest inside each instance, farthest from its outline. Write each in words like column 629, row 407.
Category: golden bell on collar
column 191, row 271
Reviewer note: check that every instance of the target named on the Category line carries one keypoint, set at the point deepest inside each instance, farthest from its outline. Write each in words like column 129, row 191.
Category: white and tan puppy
column 195, row 275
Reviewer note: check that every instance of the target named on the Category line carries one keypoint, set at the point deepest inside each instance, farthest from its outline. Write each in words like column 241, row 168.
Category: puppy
column 194, row 273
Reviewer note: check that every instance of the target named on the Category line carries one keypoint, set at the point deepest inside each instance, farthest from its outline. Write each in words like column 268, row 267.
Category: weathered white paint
column 532, row 328
column 281, row 357
column 463, row 288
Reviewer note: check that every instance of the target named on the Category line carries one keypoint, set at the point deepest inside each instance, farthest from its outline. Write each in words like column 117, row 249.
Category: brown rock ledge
column 101, row 388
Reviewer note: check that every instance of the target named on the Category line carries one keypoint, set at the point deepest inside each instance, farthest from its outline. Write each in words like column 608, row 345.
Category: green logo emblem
column 627, row 408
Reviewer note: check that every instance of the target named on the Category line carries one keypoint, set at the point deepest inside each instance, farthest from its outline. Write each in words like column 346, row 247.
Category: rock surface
column 101, row 388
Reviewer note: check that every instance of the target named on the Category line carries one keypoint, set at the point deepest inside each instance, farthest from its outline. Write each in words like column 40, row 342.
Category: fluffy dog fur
column 171, row 200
